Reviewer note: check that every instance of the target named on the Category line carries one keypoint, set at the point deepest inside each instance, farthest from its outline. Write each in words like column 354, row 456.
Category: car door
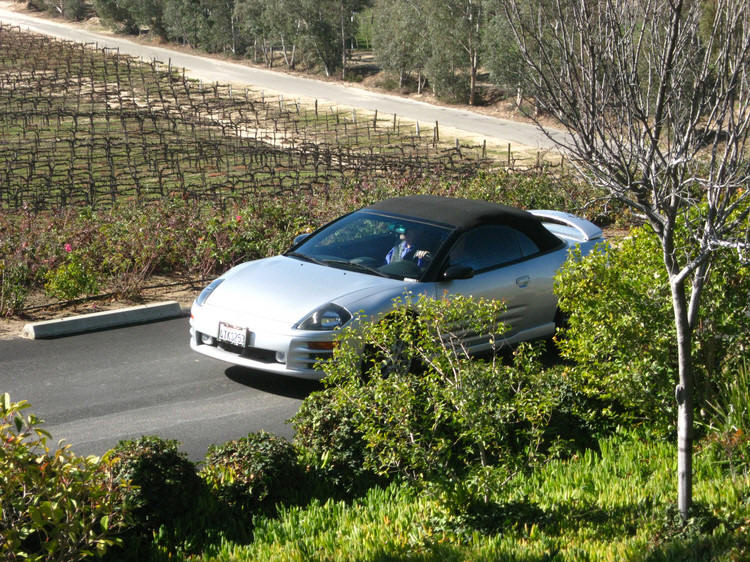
column 506, row 265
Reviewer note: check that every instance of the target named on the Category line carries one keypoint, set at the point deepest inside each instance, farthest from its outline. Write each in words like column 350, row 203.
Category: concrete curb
column 103, row 320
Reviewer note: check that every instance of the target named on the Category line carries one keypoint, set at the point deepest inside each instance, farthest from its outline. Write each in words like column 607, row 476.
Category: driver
column 407, row 250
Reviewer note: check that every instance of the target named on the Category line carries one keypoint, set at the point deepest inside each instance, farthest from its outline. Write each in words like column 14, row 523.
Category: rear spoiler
column 568, row 225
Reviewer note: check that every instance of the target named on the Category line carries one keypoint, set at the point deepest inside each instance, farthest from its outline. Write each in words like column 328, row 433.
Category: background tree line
column 442, row 45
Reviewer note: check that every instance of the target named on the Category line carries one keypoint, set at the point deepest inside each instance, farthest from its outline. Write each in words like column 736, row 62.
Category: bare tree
column 655, row 96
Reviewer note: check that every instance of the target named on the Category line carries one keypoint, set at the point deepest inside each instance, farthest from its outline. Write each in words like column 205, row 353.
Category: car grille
column 300, row 355
column 254, row 353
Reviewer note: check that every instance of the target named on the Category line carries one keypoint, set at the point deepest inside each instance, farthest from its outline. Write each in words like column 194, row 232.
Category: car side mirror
column 300, row 238
column 458, row 272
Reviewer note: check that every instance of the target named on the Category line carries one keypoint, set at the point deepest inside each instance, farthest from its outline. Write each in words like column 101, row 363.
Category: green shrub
column 254, row 473
column 14, row 287
column 165, row 483
column 621, row 329
column 331, row 445
column 72, row 279
column 535, row 189
column 54, row 505
column 728, row 422
column 424, row 410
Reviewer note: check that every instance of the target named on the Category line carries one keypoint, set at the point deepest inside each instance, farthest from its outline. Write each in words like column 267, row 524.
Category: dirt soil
column 40, row 308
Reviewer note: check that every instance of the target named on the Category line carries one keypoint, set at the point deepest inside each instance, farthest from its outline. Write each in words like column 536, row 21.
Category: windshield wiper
column 305, row 257
column 353, row 266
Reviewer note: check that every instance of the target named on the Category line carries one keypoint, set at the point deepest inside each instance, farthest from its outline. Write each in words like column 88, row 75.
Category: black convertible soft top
column 464, row 214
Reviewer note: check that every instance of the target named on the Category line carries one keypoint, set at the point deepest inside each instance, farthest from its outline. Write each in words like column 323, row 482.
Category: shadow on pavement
column 280, row 385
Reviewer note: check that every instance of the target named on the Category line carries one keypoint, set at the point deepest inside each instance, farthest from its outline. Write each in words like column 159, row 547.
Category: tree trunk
column 473, row 79
column 283, row 50
column 684, row 397
column 343, row 45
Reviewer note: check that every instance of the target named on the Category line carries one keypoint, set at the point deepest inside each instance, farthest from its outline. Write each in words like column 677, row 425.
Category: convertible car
column 279, row 314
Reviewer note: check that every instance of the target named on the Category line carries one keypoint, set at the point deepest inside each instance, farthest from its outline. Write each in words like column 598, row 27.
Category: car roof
column 463, row 214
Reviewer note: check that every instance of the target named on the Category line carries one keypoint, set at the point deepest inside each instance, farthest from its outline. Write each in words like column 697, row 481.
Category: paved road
column 96, row 389
column 296, row 87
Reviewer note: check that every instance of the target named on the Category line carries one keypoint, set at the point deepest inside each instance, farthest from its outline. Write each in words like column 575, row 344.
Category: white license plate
column 232, row 334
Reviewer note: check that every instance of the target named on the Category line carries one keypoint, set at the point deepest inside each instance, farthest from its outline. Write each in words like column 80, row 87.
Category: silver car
column 279, row 314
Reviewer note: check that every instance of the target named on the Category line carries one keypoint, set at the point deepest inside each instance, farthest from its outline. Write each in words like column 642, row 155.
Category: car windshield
column 376, row 244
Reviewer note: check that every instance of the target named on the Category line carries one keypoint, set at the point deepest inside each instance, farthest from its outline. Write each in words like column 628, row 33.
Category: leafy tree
column 116, row 13
column 399, row 39
column 68, row 9
column 183, row 20
column 657, row 110
column 131, row 15
column 501, row 55
column 282, row 26
column 319, row 26
column 454, row 63
column 248, row 15
column 148, row 14
column 347, row 25
column 220, row 30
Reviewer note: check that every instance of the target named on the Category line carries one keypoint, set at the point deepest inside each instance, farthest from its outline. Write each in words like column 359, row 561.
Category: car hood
column 286, row 289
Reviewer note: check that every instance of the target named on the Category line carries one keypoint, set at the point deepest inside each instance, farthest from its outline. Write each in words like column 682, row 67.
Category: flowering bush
column 73, row 278
column 117, row 250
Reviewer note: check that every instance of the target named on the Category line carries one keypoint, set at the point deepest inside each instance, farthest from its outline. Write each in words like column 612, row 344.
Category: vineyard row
column 82, row 125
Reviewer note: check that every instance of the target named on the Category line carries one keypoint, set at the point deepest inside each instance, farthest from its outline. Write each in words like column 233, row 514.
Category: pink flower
column 238, row 218
column 68, row 248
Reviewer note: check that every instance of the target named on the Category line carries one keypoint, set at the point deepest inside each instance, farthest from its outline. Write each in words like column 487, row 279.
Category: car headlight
column 328, row 317
column 205, row 293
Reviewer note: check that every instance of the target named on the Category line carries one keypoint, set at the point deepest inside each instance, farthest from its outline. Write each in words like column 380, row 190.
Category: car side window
column 490, row 246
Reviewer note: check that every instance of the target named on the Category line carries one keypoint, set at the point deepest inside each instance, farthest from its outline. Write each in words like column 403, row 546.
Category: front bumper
column 299, row 359
column 271, row 346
